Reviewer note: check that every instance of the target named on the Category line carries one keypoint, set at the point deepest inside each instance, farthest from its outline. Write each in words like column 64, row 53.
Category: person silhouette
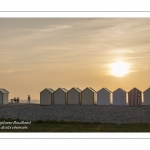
column 15, row 99
column 28, row 99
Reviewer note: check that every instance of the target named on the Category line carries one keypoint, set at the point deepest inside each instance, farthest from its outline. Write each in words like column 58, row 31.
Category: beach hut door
column 138, row 98
column 123, row 99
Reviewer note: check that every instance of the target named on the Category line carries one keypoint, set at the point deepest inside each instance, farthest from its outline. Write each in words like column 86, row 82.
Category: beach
column 81, row 113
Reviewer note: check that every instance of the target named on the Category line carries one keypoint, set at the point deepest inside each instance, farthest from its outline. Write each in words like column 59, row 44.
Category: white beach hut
column 3, row 96
column 119, row 97
column 74, row 96
column 60, row 96
column 88, row 96
column 104, row 97
column 146, row 96
column 46, row 96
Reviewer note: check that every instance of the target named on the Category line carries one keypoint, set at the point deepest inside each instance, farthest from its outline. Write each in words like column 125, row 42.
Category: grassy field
column 54, row 126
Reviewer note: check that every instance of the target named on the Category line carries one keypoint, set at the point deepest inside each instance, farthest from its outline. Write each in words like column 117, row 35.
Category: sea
column 31, row 101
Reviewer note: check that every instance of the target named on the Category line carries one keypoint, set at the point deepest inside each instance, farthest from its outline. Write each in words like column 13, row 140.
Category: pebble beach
column 81, row 113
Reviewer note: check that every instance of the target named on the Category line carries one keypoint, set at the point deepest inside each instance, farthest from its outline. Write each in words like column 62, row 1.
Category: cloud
column 8, row 71
column 46, row 29
column 71, row 42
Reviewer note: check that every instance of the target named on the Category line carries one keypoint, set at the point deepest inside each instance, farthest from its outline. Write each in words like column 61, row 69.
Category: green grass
column 54, row 126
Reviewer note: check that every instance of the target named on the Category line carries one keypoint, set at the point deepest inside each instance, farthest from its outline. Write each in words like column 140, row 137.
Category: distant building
column 74, row 96
column 4, row 96
column 46, row 96
column 146, row 96
column 119, row 97
column 88, row 96
column 104, row 97
column 60, row 96
column 134, row 97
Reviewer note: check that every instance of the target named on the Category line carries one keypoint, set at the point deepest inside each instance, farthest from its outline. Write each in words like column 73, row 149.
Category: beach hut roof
column 146, row 90
column 63, row 89
column 48, row 89
column 107, row 90
column 3, row 90
column 91, row 89
column 135, row 89
column 120, row 89
column 76, row 88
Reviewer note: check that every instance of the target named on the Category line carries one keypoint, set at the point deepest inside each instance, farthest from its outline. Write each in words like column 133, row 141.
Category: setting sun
column 119, row 69
column 39, row 53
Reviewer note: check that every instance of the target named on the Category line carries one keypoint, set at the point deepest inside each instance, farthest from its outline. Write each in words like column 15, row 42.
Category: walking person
column 29, row 99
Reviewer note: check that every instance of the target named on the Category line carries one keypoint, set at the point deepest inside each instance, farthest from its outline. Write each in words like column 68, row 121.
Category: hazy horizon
column 70, row 52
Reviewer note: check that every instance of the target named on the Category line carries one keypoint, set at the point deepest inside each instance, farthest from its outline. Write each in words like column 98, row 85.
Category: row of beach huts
column 90, row 97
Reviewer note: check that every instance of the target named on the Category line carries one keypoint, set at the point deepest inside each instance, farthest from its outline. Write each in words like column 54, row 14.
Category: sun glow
column 119, row 69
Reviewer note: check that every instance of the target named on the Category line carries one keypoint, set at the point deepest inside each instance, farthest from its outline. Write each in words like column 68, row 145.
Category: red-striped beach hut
column 134, row 97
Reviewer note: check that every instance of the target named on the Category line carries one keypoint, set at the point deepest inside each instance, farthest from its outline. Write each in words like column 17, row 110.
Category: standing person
column 15, row 99
column 28, row 99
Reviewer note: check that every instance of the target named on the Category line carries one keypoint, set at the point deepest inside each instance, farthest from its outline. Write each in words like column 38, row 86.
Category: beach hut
column 119, row 97
column 146, row 96
column 74, row 96
column 88, row 96
column 46, row 96
column 104, row 97
column 134, row 97
column 3, row 96
column 60, row 96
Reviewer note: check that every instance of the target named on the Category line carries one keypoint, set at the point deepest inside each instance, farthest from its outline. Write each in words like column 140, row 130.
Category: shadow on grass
column 61, row 126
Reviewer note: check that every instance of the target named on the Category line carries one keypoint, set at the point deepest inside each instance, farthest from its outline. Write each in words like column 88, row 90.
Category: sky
column 38, row 53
